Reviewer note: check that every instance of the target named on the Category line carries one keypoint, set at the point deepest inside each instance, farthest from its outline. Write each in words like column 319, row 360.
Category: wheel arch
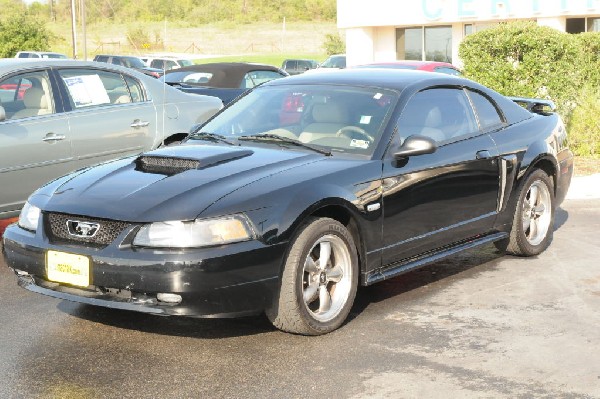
column 342, row 211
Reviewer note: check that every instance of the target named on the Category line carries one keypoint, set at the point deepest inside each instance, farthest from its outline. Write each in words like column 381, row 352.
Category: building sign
column 357, row 13
column 493, row 9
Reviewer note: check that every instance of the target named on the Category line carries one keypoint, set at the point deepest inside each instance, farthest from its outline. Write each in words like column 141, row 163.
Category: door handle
column 483, row 154
column 51, row 137
column 138, row 123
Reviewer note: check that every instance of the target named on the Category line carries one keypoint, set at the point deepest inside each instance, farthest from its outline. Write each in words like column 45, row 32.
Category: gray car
column 58, row 116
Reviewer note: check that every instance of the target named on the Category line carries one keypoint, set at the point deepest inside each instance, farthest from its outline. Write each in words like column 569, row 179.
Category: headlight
column 198, row 233
column 29, row 217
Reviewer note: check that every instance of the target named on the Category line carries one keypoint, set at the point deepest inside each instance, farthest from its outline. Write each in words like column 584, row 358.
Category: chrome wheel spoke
column 526, row 222
column 311, row 292
column 324, row 299
column 324, row 254
column 310, row 265
column 335, row 274
column 533, row 229
column 533, row 196
column 539, row 210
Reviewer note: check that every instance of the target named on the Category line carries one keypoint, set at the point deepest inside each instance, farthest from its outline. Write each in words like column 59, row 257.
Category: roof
column 397, row 79
column 422, row 65
column 225, row 74
column 16, row 64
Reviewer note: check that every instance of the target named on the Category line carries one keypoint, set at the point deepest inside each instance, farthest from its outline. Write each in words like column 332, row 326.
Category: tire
column 533, row 222
column 319, row 280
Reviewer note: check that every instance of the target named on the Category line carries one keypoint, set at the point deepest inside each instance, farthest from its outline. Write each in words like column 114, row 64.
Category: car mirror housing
column 416, row 145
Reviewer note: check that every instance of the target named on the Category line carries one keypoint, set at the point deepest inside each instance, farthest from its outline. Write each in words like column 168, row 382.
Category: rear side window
column 135, row 89
column 92, row 87
column 489, row 118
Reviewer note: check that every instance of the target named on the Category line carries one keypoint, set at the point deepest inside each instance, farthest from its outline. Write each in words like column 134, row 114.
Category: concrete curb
column 584, row 187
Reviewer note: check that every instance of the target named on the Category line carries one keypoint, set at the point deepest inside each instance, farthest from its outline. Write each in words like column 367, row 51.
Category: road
column 478, row 325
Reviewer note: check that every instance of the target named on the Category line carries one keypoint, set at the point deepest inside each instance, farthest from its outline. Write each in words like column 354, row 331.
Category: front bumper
column 226, row 281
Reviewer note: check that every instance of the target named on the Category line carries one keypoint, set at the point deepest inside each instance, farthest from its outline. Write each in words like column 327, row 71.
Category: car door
column 434, row 200
column 34, row 137
column 109, row 117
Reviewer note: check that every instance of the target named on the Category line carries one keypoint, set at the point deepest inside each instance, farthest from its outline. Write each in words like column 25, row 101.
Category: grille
column 165, row 165
column 107, row 232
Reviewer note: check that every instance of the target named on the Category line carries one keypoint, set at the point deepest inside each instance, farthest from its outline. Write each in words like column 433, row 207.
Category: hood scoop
column 172, row 165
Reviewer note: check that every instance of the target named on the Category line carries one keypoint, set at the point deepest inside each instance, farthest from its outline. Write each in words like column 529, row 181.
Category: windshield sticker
column 365, row 119
column 359, row 144
column 378, row 96
column 87, row 90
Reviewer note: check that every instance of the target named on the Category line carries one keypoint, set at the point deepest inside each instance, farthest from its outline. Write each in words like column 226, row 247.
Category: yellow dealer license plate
column 68, row 268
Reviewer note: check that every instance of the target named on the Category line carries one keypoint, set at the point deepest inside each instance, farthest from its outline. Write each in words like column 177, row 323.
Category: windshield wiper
column 287, row 140
column 214, row 137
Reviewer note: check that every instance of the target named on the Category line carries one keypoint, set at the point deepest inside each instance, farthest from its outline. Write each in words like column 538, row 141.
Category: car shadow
column 170, row 326
column 560, row 218
column 468, row 264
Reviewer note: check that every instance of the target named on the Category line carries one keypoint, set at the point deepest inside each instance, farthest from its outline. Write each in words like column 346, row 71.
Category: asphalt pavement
column 479, row 325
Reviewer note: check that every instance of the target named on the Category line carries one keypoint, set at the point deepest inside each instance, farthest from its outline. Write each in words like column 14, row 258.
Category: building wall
column 371, row 27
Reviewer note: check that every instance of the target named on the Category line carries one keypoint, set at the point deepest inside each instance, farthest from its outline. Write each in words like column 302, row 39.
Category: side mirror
column 2, row 114
column 416, row 145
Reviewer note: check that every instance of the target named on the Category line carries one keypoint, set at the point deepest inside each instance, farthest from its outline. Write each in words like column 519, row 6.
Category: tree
column 21, row 32
column 334, row 44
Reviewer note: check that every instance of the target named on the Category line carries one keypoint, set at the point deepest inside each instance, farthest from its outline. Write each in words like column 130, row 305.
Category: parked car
column 295, row 67
column 430, row 66
column 226, row 80
column 39, row 54
column 166, row 63
column 72, row 114
column 385, row 171
column 129, row 62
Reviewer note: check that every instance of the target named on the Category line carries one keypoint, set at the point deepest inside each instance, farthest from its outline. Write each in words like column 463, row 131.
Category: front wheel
column 319, row 280
column 533, row 222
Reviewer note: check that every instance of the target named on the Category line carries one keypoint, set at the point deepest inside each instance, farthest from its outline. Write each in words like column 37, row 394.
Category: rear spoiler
column 535, row 105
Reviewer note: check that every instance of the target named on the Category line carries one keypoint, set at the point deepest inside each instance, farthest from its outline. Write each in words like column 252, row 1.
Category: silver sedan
column 58, row 116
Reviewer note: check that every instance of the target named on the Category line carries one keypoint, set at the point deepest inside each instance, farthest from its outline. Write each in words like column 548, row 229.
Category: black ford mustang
column 297, row 193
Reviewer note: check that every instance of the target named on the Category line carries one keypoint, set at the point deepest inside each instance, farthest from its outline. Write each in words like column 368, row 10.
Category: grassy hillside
column 258, row 42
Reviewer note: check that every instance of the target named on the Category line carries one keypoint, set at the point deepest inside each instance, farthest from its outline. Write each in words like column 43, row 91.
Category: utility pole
column 73, row 29
column 82, row 6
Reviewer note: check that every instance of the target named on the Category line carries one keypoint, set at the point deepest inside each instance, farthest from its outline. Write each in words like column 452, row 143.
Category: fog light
column 168, row 298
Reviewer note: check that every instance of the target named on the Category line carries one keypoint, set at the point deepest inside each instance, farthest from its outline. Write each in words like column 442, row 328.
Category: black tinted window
column 489, row 119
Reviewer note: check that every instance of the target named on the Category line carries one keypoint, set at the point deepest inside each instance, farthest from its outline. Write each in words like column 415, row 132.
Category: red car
column 429, row 66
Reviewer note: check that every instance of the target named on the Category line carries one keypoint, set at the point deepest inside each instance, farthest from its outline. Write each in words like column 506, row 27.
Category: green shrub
column 334, row 44
column 524, row 59
column 21, row 32
column 584, row 124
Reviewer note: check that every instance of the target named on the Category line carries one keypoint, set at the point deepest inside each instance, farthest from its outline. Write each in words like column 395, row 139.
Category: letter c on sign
column 436, row 14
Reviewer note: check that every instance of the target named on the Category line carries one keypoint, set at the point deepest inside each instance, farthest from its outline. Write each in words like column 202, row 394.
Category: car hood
column 175, row 183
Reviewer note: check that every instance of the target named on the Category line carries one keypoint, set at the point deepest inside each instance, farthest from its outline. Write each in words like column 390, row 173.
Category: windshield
column 133, row 62
column 337, row 61
column 185, row 62
column 336, row 119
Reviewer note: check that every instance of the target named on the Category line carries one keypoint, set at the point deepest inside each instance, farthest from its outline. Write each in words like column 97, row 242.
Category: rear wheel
column 533, row 222
column 319, row 280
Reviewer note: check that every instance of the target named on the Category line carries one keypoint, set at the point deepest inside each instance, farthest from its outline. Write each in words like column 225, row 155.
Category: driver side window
column 441, row 114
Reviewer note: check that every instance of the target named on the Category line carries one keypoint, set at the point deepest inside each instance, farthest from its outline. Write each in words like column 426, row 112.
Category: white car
column 39, row 54
column 166, row 63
